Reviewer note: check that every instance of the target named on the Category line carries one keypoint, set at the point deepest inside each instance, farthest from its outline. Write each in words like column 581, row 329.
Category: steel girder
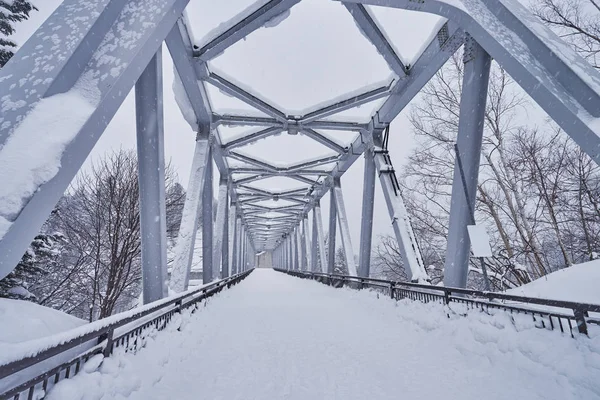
column 150, row 147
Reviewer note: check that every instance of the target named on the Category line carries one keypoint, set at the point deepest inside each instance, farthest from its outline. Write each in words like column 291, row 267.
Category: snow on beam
column 70, row 91
column 260, row 164
column 242, row 120
column 257, row 171
column 303, row 179
column 317, row 137
column 180, row 47
column 312, row 163
column 352, row 101
column 445, row 43
column 184, row 249
column 405, row 237
column 234, row 90
column 564, row 84
column 334, row 126
column 272, row 131
column 375, row 35
column 244, row 27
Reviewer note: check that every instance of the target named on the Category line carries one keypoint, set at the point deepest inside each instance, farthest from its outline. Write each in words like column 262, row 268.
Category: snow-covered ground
column 278, row 337
column 577, row 283
column 24, row 320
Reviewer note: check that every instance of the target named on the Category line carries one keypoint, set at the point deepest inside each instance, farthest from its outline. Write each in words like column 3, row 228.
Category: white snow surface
column 31, row 155
column 274, row 337
column 23, row 320
column 576, row 283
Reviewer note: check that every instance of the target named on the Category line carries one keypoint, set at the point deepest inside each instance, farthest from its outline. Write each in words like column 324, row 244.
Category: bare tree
column 100, row 221
column 576, row 21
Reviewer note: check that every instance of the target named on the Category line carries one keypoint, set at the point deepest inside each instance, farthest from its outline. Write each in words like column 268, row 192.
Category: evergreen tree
column 340, row 266
column 41, row 256
column 11, row 12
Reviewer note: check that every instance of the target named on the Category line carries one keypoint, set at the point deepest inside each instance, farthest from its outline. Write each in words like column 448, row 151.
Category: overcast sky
column 314, row 56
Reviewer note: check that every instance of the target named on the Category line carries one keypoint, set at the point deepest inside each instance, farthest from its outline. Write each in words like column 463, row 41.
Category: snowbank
column 577, row 283
column 24, row 320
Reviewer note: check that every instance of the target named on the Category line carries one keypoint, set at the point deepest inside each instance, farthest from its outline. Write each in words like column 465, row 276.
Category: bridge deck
column 278, row 337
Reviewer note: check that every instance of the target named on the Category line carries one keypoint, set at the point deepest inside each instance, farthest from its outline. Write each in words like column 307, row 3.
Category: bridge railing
column 70, row 351
column 567, row 316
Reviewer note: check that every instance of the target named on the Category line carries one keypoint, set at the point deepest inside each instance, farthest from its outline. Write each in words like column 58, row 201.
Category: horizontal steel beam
column 271, row 131
column 248, row 24
column 236, row 91
column 346, row 104
column 371, row 30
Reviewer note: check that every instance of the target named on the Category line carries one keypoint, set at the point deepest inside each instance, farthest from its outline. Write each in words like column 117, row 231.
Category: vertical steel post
column 184, row 250
column 470, row 135
column 235, row 269
column 297, row 244
column 411, row 255
column 290, row 244
column 232, row 238
column 219, row 227
column 151, row 173
column 207, row 222
column 303, row 248
column 344, row 227
column 240, row 257
column 366, row 225
column 318, row 221
column 314, row 259
column 225, row 244
column 332, row 227
column 307, row 245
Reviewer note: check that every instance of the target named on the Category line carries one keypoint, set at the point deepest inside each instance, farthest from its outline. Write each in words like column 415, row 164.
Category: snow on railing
column 99, row 338
column 548, row 314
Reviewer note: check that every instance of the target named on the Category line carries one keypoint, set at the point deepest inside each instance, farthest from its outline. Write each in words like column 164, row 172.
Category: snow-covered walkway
column 278, row 337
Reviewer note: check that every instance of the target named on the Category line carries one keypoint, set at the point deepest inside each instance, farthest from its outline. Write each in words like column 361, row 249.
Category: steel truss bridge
column 98, row 51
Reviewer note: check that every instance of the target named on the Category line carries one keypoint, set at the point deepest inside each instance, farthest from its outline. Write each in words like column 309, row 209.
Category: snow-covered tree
column 41, row 257
column 11, row 12
column 340, row 266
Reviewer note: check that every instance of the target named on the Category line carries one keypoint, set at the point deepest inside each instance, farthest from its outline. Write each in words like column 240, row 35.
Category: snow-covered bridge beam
column 369, row 27
column 151, row 167
column 234, row 90
column 258, row 171
column 366, row 223
column 352, row 101
column 245, row 25
column 181, row 49
column 271, row 131
column 564, row 84
column 207, row 223
column 71, row 89
column 243, row 120
column 300, row 168
column 186, row 239
column 411, row 255
column 469, row 141
column 318, row 239
column 220, row 230
column 317, row 137
column 338, row 198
